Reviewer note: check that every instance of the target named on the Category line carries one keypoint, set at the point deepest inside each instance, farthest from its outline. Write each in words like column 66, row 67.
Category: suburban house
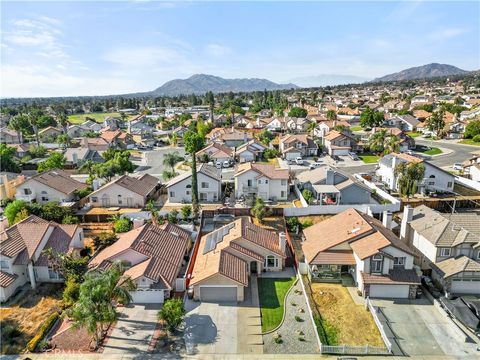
column 78, row 156
column 297, row 145
column 447, row 247
column 471, row 167
column 435, row 179
column 354, row 244
column 209, row 182
column 21, row 257
column 216, row 152
column 229, row 255
column 250, row 151
column 333, row 187
column 402, row 122
column 337, row 143
column 297, row 124
column 276, row 124
column 98, row 144
column 406, row 142
column 126, row 191
column 52, row 185
column 231, row 137
column 49, row 132
column 8, row 136
column 118, row 139
column 324, row 127
column 262, row 180
column 155, row 256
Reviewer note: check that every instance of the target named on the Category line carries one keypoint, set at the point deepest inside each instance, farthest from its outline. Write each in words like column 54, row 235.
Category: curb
column 284, row 309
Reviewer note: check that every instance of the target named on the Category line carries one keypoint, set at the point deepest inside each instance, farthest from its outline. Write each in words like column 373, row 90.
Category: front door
column 253, row 267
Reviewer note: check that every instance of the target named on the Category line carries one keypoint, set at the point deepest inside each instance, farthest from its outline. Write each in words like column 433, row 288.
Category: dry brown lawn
column 314, row 218
column 28, row 315
column 354, row 324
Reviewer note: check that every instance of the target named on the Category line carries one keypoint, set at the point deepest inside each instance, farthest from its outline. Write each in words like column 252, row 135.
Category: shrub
column 476, row 138
column 293, row 224
column 71, row 292
column 186, row 212
column 172, row 313
column 173, row 216
column 307, row 223
column 83, row 192
column 47, row 325
column 259, row 210
column 270, row 153
column 102, row 240
column 122, row 225
column 70, row 219
column 307, row 195
column 278, row 338
column 13, row 209
column 298, row 318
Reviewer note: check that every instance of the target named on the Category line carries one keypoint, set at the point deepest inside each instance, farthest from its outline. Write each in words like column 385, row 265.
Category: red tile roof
column 7, row 279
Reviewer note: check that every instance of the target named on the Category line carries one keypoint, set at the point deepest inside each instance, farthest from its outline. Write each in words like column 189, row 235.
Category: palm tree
column 173, row 139
column 33, row 116
column 95, row 305
column 193, row 143
column 331, row 115
column 89, row 167
column 392, row 144
column 16, row 123
column 376, row 142
column 62, row 121
column 408, row 175
column 63, row 140
column 311, row 128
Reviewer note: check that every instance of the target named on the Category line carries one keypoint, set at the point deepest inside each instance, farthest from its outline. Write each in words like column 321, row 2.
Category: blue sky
column 95, row 48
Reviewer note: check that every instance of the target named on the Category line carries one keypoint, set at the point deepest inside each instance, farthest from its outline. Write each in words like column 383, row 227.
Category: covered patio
column 326, row 194
column 332, row 266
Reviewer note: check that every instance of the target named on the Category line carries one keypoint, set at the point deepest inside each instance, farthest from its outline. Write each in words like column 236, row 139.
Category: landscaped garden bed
column 344, row 321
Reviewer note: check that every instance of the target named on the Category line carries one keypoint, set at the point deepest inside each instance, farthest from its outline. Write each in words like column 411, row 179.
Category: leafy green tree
column 12, row 209
column 435, row 123
column 37, row 151
column 68, row 265
column 20, row 124
column 95, row 305
column 122, row 225
column 70, row 219
column 7, row 159
column 71, row 292
column 472, row 129
column 298, row 112
column 63, row 140
column 307, row 195
column 331, row 115
column 270, row 153
column 50, row 211
column 103, row 240
column 193, row 143
column 408, row 175
column 173, row 216
column 186, row 212
column 55, row 161
column 172, row 312
column 259, row 210
column 370, row 118
column 171, row 159
column 22, row 215
column 266, row 137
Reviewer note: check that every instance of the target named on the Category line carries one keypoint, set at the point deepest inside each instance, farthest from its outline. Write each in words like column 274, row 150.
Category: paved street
column 420, row 329
column 152, row 162
column 134, row 330
column 459, row 153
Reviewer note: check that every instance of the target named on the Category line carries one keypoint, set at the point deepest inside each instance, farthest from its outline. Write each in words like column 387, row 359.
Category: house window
column 189, row 186
column 282, row 194
column 399, row 262
column 52, row 274
column 172, row 193
column 205, row 185
column 266, row 181
column 27, row 191
column 4, row 265
column 377, row 263
column 445, row 252
column 259, row 182
column 449, row 184
column 44, row 196
column 271, row 261
column 94, row 199
column 284, row 182
column 249, row 182
column 187, row 192
column 119, row 199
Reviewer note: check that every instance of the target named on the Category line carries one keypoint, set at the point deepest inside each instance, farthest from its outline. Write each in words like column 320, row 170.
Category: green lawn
column 469, row 142
column 271, row 293
column 414, row 134
column 355, row 128
column 433, row 151
column 369, row 158
column 98, row 117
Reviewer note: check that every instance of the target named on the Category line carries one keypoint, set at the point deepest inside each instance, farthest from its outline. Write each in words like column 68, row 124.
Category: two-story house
column 216, row 152
column 21, row 252
column 250, row 151
column 435, row 179
column 155, row 256
column 471, row 167
column 297, row 145
column 403, row 122
column 209, row 183
column 295, row 124
column 262, row 180
column 52, row 185
column 353, row 244
column 337, row 143
column 447, row 247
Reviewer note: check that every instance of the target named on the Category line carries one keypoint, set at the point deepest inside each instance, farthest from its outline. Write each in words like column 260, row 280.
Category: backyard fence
column 374, row 313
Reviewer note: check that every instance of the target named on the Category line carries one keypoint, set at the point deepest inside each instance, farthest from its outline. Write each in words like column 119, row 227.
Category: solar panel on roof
column 216, row 236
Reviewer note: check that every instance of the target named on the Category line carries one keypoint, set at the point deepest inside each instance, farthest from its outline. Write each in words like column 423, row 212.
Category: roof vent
column 354, row 231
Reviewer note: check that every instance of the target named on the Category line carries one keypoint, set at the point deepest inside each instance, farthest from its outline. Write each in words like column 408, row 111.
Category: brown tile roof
column 233, row 267
column 109, row 135
column 216, row 150
column 142, row 185
column 165, row 249
column 339, row 257
column 236, row 247
column 7, row 279
column 12, row 241
column 455, row 265
column 59, row 241
column 395, row 276
column 408, row 158
column 333, row 134
column 260, row 236
column 268, row 170
column 59, row 180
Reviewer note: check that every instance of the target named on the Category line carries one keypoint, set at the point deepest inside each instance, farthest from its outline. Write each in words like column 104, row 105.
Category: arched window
column 189, row 186
column 271, row 261
column 432, row 176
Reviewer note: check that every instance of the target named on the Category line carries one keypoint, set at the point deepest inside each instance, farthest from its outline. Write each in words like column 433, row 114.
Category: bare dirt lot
column 354, row 325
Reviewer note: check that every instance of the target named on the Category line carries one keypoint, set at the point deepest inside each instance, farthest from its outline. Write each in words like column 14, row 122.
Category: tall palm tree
column 16, row 123
column 62, row 121
column 376, row 142
column 33, row 116
column 392, row 144
column 170, row 159
column 311, row 128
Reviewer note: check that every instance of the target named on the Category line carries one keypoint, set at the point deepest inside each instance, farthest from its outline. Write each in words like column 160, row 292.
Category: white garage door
column 292, row 155
column 465, row 287
column 218, row 293
column 389, row 291
column 147, row 296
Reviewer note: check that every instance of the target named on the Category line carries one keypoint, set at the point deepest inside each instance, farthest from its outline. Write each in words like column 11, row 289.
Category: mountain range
column 201, row 83
column 328, row 80
column 422, row 72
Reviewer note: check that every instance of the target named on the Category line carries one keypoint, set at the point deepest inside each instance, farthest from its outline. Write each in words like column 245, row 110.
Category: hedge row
column 47, row 325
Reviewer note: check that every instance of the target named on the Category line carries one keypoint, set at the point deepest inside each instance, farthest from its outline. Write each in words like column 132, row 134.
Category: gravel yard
column 297, row 337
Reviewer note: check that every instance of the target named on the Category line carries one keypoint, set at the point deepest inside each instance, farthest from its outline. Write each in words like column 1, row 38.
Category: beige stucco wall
column 111, row 193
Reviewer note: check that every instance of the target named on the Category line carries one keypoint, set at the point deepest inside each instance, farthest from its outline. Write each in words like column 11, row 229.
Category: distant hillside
column 422, row 72
column 201, row 83
column 328, row 80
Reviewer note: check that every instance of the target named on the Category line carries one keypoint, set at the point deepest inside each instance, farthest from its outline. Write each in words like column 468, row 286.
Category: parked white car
column 457, row 166
column 218, row 165
column 353, row 156
column 226, row 164
column 299, row 161
column 315, row 164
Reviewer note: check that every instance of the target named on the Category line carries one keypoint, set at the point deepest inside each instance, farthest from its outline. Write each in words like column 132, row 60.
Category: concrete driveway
column 134, row 330
column 420, row 329
column 224, row 328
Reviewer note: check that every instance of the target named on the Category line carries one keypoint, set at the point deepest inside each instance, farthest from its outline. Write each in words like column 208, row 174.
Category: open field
column 98, row 117
column 20, row 322
column 271, row 293
column 369, row 158
column 353, row 324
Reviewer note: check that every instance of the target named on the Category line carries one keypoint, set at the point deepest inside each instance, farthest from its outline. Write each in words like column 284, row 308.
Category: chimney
column 95, row 184
column 407, row 217
column 330, row 177
column 282, row 239
column 387, row 219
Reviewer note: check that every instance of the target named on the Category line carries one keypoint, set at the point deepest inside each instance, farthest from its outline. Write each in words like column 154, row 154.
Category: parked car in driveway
column 457, row 166
column 299, row 161
column 218, row 165
column 226, row 164
column 353, row 156
column 315, row 164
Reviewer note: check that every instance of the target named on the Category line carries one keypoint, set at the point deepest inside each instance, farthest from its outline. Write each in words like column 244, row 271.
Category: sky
column 98, row 48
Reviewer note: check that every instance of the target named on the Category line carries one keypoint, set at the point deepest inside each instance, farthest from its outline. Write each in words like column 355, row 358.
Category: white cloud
column 447, row 33
column 217, row 50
